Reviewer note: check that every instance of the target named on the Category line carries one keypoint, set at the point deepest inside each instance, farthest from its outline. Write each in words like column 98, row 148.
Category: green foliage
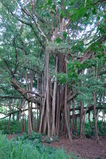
column 101, row 128
column 15, row 127
column 35, row 137
column 91, row 131
column 24, row 150
column 50, row 139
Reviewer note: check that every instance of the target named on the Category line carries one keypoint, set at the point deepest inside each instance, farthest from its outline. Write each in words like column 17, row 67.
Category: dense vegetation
column 15, row 128
column 24, row 148
column 53, row 66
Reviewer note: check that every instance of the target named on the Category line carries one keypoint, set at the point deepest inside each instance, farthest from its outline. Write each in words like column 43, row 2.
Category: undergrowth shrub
column 91, row 131
column 35, row 137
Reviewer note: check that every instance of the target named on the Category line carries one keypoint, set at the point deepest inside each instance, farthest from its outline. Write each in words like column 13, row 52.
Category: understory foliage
column 25, row 149
column 53, row 65
column 16, row 129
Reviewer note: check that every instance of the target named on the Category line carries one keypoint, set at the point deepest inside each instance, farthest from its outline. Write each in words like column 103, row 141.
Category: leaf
column 94, row 11
column 71, row 11
column 49, row 2
column 81, row 48
column 53, row 7
column 81, row 12
column 65, row 35
column 74, row 17
column 98, row 18
column 62, row 13
column 58, row 40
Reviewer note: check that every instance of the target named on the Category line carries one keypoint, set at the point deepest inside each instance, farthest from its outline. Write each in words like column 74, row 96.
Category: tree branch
column 72, row 96
column 35, row 21
column 11, row 97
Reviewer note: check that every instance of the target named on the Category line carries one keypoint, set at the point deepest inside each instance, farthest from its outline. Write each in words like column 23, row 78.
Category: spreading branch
column 36, row 23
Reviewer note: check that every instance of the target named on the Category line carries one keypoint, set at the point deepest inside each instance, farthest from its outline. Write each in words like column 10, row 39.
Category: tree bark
column 81, row 118
column 58, row 112
column 29, row 129
column 47, row 97
column 54, row 102
column 10, row 115
column 66, row 112
column 73, row 116
column 95, row 119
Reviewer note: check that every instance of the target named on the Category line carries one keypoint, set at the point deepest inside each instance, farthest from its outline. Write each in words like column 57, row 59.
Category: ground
column 82, row 147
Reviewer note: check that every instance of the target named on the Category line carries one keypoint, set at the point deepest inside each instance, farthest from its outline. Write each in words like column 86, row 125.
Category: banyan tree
column 53, row 57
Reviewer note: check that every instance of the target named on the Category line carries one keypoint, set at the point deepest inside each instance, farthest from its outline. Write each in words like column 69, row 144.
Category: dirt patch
column 11, row 136
column 82, row 147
